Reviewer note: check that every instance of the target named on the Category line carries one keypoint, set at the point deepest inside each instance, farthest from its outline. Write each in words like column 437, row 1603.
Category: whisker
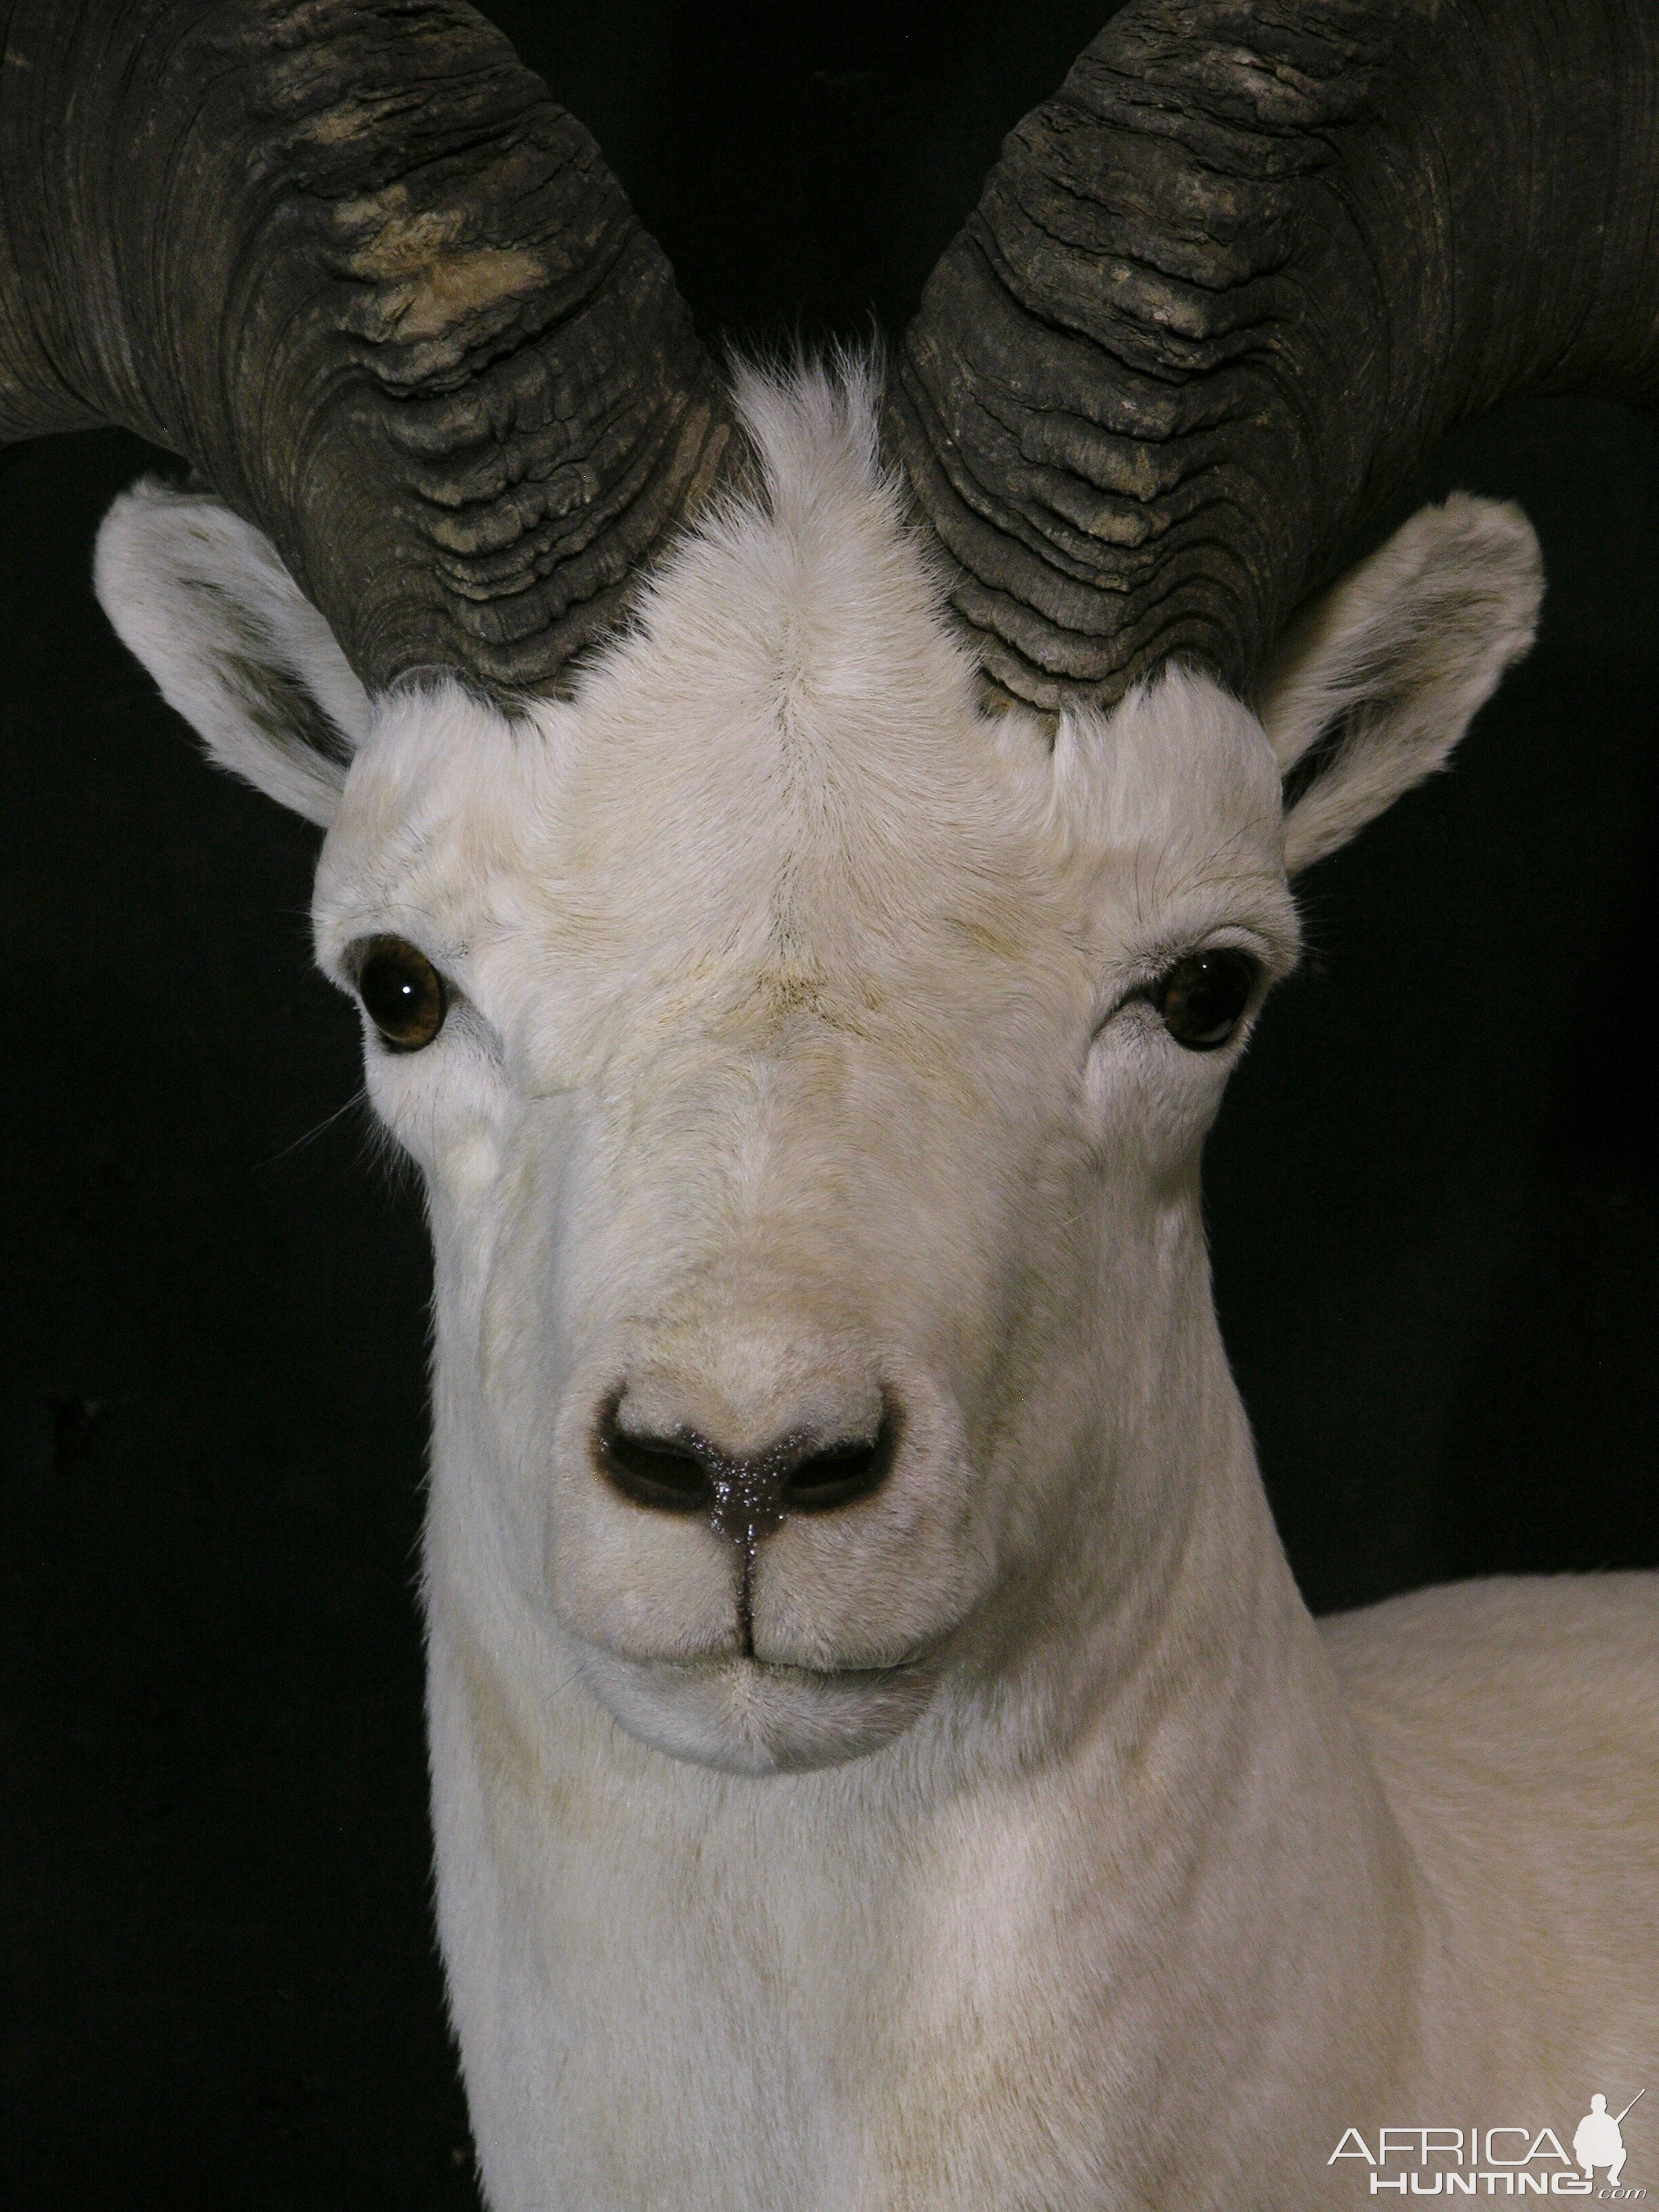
column 358, row 1097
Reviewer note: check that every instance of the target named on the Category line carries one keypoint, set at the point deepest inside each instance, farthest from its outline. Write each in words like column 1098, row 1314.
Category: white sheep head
column 816, row 1063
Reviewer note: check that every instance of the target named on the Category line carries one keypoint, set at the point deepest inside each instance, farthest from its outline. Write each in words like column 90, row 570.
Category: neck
column 1142, row 1848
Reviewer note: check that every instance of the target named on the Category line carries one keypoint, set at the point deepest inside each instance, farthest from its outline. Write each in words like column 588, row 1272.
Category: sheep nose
column 743, row 1495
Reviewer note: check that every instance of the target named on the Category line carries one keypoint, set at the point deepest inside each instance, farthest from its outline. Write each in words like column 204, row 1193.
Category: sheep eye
column 403, row 992
column 1203, row 997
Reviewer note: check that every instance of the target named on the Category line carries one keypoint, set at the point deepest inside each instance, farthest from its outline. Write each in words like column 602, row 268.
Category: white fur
column 200, row 597
column 1397, row 659
column 1048, row 1856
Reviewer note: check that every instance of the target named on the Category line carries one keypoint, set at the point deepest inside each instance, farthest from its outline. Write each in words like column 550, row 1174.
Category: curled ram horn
column 380, row 291
column 1225, row 288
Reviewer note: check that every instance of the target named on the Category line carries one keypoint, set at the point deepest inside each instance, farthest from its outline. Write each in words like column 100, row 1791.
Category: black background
column 1433, row 1199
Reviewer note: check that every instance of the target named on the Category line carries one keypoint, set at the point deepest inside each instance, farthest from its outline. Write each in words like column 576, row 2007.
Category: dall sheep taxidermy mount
column 809, row 846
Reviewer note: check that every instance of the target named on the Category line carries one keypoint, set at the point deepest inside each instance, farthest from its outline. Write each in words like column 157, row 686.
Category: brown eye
column 403, row 992
column 1203, row 997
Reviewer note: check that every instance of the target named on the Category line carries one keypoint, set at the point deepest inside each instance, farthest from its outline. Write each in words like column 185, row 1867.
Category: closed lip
column 783, row 1671
column 794, row 1673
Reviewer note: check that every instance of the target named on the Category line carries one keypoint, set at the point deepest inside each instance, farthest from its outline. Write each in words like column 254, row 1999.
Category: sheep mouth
column 757, row 1716
column 807, row 1676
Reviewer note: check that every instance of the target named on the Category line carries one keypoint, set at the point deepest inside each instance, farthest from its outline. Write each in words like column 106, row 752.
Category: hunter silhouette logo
column 1505, row 2161
column 1596, row 2141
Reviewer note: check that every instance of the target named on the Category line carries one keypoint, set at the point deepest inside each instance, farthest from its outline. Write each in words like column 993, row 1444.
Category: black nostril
column 744, row 1496
column 840, row 1474
column 664, row 1473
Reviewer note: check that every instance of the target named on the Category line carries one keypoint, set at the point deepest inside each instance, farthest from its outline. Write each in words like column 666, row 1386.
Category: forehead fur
column 824, row 736
column 782, row 762
column 788, row 706
column 1178, row 786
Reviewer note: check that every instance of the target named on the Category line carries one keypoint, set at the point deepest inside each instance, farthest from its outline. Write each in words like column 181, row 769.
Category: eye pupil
column 1202, row 998
column 403, row 992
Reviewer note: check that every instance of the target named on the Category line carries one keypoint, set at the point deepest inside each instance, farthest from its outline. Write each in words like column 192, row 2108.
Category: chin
column 750, row 1716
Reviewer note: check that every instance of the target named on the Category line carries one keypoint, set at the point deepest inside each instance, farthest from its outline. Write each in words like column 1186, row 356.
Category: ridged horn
column 350, row 259
column 1230, row 284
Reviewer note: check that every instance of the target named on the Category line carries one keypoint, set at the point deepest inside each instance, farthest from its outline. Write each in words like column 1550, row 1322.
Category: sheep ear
column 203, row 600
column 1374, row 685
